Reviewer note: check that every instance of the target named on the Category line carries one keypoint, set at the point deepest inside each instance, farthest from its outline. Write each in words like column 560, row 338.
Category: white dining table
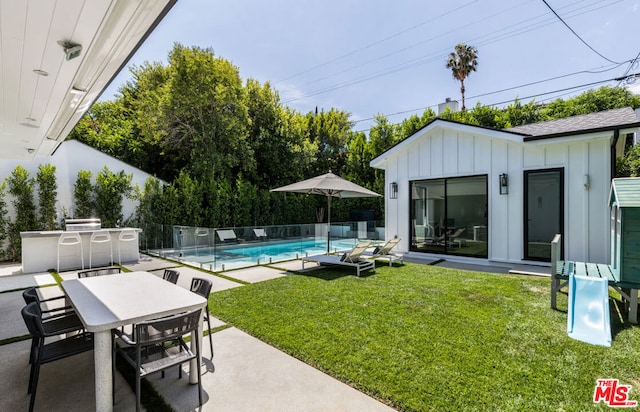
column 111, row 301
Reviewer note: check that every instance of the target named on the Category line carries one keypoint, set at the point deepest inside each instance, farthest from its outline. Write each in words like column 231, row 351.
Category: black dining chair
column 31, row 295
column 171, row 275
column 203, row 288
column 154, row 334
column 55, row 322
column 42, row 353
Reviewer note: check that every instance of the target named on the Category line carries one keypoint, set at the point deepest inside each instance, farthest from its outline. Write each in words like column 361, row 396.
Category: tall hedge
column 20, row 186
column 47, row 197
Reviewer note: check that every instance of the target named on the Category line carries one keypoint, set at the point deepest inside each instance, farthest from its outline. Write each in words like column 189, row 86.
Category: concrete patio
column 243, row 374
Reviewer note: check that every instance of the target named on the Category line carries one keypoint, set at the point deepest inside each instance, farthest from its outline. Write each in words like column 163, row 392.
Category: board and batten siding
column 447, row 152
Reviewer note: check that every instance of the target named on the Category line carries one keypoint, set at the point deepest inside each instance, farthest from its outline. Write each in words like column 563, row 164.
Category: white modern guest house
column 455, row 190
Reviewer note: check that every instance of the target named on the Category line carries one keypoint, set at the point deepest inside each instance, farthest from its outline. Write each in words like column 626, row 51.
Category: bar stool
column 100, row 236
column 127, row 235
column 70, row 239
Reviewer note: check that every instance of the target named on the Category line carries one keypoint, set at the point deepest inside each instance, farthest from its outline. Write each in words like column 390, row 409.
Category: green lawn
column 425, row 338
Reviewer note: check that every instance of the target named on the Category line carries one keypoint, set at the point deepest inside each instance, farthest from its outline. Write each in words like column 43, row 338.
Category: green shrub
column 47, row 196
column 83, row 195
column 20, row 186
column 110, row 190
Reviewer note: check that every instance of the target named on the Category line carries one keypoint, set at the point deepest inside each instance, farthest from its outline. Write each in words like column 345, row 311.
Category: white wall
column 448, row 152
column 71, row 157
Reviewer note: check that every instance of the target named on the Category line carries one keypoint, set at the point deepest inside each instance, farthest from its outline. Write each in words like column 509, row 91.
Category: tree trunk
column 462, row 93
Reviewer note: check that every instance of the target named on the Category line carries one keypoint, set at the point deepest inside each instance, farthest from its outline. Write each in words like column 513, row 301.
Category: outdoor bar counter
column 40, row 250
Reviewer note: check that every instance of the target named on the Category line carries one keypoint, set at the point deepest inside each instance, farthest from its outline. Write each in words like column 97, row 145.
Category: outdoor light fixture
column 586, row 182
column 393, row 190
column 504, row 184
column 71, row 50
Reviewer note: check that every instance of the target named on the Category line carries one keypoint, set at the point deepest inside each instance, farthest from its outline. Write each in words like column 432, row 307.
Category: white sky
column 376, row 56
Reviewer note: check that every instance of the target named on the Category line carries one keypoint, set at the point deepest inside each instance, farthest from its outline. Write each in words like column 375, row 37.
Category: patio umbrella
column 331, row 186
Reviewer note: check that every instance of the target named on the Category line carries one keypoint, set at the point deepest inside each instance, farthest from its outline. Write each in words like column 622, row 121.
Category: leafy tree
column 47, row 196
column 110, row 189
column 604, row 98
column 170, row 211
column 488, row 116
column 20, row 186
column 205, row 115
column 107, row 128
column 629, row 164
column 357, row 168
column 83, row 195
column 246, row 197
column 281, row 150
column 382, row 135
column 517, row 114
column 189, row 199
column 142, row 101
column 462, row 62
column 148, row 212
column 414, row 123
column 329, row 131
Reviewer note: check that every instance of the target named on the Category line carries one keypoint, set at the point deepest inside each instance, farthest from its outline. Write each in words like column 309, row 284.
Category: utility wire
column 411, row 46
column 532, row 25
column 503, row 90
column 439, row 54
column 633, row 64
column 375, row 43
column 576, row 34
column 566, row 89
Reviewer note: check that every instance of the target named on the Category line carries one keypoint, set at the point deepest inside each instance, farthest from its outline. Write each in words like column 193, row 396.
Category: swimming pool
column 249, row 254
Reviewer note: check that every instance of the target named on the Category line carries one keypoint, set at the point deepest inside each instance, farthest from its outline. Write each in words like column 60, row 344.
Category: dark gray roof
column 605, row 120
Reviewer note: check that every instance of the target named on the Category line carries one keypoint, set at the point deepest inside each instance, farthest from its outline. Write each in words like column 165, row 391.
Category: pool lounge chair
column 353, row 258
column 227, row 236
column 385, row 252
column 260, row 234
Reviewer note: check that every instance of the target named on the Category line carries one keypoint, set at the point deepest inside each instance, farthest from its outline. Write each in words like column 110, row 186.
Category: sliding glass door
column 450, row 216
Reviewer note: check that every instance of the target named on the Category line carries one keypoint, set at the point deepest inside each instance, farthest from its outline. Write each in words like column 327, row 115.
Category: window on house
column 449, row 216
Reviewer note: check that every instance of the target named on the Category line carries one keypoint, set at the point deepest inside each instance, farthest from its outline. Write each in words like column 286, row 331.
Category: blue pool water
column 248, row 254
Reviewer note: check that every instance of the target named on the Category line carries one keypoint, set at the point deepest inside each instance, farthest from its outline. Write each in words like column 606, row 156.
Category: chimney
column 451, row 104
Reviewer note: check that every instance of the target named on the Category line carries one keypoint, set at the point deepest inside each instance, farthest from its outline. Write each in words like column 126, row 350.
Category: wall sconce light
column 393, row 190
column 504, row 184
column 586, row 182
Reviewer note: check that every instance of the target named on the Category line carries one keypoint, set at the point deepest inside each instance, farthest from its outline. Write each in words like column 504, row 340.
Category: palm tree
column 462, row 62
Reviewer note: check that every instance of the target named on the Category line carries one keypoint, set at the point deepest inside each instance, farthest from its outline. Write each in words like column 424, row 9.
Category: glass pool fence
column 219, row 249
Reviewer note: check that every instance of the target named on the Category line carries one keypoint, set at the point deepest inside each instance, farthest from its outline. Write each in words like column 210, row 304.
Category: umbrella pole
column 328, row 223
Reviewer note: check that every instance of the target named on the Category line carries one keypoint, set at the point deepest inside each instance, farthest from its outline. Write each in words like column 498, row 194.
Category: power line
column 633, row 64
column 501, row 90
column 443, row 52
column 411, row 46
column 566, row 89
column 532, row 25
column 375, row 43
column 576, row 34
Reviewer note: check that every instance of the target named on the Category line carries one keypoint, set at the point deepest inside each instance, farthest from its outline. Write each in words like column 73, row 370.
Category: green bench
column 561, row 269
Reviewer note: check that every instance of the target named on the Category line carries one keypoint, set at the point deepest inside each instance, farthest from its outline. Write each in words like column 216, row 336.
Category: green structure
column 624, row 201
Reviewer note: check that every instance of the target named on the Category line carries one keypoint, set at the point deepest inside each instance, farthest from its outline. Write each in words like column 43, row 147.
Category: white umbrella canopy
column 329, row 185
